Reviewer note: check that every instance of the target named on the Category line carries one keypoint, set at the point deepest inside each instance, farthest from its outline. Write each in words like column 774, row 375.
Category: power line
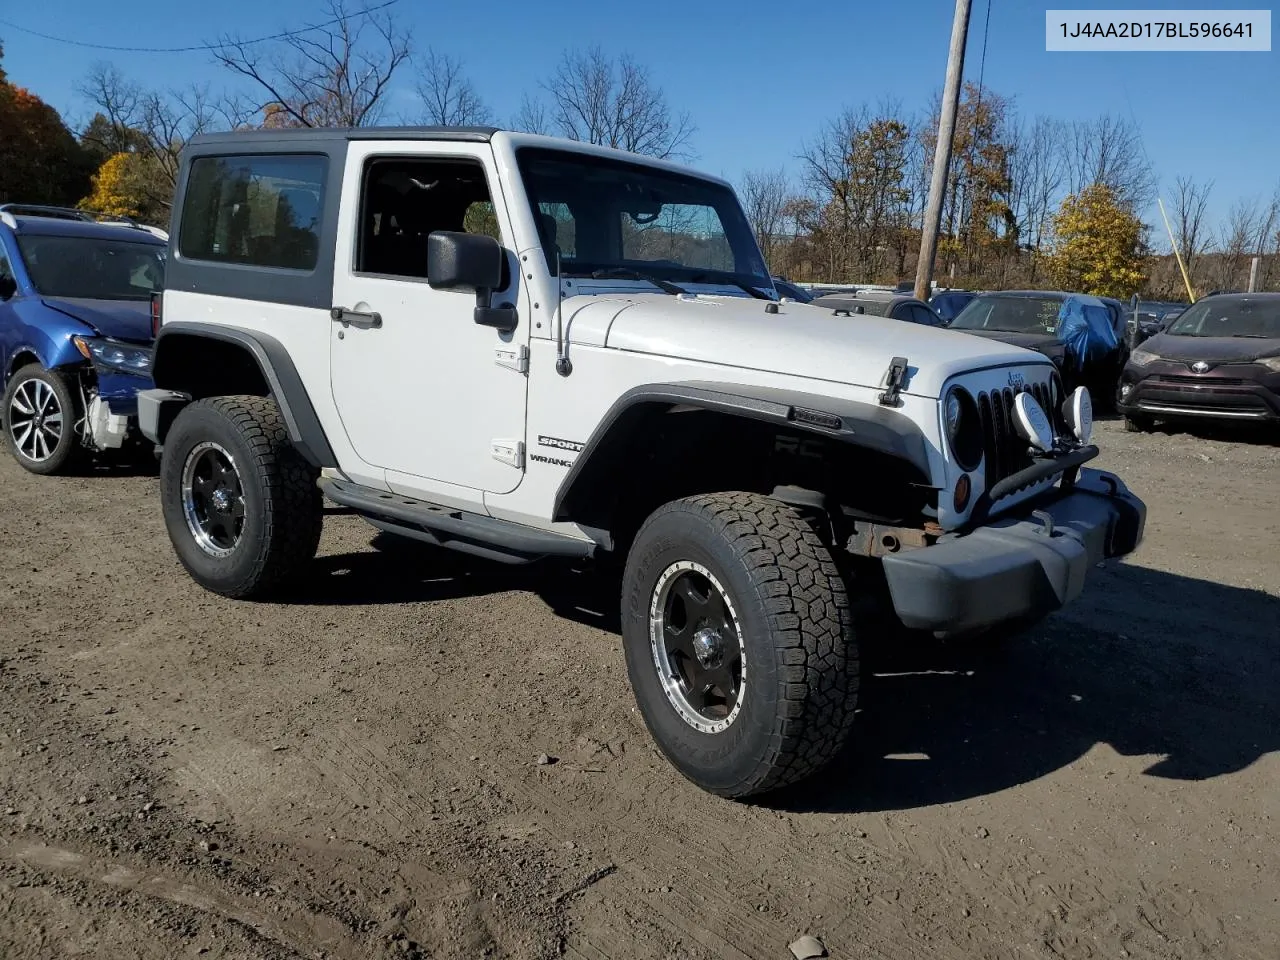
column 203, row 46
column 982, row 64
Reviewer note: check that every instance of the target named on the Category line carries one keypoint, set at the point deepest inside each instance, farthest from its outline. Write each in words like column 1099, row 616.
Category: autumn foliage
column 1097, row 245
column 40, row 159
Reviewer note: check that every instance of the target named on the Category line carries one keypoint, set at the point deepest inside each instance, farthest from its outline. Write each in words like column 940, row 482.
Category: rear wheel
column 739, row 640
column 241, row 505
column 41, row 415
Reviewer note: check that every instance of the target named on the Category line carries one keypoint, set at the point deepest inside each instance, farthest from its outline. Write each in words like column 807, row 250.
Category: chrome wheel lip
column 668, row 674
column 194, row 513
column 35, row 420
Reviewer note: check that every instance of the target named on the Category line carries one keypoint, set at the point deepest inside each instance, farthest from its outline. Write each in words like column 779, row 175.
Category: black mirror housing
column 470, row 261
column 8, row 287
column 463, row 261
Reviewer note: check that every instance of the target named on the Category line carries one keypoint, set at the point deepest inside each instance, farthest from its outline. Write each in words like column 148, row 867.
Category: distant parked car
column 881, row 304
column 948, row 303
column 1081, row 334
column 1219, row 359
column 1145, row 318
column 789, row 290
column 76, row 305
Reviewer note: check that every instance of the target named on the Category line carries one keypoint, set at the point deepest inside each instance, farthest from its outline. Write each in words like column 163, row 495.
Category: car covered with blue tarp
column 1081, row 334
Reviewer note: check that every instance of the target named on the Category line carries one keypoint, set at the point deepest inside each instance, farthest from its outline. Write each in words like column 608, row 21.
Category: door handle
column 355, row 318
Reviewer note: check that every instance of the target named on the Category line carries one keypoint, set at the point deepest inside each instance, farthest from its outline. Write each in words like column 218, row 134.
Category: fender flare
column 278, row 371
column 846, row 421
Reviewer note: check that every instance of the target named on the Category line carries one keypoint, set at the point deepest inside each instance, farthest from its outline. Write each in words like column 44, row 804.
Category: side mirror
column 469, row 261
column 8, row 286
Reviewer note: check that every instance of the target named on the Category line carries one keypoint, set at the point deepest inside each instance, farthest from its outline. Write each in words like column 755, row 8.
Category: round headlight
column 952, row 412
column 964, row 433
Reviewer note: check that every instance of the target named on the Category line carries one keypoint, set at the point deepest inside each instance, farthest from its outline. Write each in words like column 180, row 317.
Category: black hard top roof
column 305, row 135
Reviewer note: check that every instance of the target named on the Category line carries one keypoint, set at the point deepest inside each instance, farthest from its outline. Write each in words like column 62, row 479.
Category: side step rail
column 459, row 530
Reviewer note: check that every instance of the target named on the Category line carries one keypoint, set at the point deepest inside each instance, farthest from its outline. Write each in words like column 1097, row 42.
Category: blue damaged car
column 77, row 297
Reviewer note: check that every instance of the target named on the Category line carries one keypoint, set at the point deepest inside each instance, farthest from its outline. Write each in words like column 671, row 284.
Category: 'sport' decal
column 571, row 445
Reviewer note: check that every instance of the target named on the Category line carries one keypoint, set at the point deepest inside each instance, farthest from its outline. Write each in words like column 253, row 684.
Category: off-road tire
column 283, row 507
column 800, row 652
column 1137, row 425
column 70, row 454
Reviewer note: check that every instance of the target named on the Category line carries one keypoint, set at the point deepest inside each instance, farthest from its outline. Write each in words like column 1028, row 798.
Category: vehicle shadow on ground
column 1256, row 434
column 404, row 571
column 1147, row 662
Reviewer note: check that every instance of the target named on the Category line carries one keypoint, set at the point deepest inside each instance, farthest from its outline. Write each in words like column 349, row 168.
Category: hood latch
column 893, row 381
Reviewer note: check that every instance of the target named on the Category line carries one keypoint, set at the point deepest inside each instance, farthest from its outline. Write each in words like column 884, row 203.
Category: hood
column 799, row 339
column 118, row 319
column 1041, row 342
column 1213, row 349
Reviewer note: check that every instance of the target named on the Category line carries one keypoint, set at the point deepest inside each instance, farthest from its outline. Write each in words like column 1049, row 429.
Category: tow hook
column 1046, row 519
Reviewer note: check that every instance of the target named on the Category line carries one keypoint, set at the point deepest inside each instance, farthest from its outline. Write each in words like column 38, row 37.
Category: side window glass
column 924, row 315
column 6, row 271
column 403, row 201
column 264, row 211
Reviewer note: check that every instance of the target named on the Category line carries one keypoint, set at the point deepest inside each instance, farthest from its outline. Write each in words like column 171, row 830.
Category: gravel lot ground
column 353, row 773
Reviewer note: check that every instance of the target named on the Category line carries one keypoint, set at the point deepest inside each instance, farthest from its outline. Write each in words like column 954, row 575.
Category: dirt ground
column 353, row 773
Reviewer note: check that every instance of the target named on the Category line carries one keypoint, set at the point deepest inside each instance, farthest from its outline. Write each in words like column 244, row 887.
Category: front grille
column 1199, row 381
column 1006, row 451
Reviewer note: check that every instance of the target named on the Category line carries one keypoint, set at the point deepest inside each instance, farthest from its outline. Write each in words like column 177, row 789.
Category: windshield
column 602, row 215
column 92, row 268
column 1009, row 314
column 1229, row 317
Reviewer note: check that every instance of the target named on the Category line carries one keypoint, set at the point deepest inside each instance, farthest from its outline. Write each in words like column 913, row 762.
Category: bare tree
column 1109, row 151
column 614, row 103
column 1269, row 241
column 532, row 117
column 765, row 197
column 154, row 124
column 829, row 173
column 336, row 75
column 448, row 97
column 1037, row 170
column 1190, row 201
column 1237, row 241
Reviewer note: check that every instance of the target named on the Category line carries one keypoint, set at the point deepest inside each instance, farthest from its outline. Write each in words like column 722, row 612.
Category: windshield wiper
column 625, row 273
column 745, row 288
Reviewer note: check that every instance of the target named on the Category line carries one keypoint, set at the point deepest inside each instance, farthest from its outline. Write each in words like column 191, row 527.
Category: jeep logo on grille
column 1016, row 380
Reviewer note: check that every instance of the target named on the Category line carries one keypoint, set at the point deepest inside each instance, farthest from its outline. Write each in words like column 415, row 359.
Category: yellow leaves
column 128, row 185
column 1097, row 245
column 114, row 187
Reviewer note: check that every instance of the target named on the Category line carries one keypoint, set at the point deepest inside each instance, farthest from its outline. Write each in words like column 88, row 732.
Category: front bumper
column 1019, row 566
column 1195, row 398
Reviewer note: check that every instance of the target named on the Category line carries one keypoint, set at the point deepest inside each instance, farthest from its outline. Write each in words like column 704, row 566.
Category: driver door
column 423, row 391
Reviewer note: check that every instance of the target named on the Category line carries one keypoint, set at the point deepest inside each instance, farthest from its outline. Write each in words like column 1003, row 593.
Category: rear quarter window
column 263, row 211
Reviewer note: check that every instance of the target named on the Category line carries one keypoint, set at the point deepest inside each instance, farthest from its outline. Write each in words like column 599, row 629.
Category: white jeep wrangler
column 524, row 348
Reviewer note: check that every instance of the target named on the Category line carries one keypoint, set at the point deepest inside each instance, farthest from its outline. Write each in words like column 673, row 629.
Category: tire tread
column 811, row 622
column 293, row 507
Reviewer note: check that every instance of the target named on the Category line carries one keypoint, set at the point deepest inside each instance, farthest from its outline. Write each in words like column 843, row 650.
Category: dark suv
column 1219, row 359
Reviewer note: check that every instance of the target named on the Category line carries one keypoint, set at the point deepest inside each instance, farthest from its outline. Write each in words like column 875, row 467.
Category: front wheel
column 739, row 642
column 41, row 414
column 241, row 505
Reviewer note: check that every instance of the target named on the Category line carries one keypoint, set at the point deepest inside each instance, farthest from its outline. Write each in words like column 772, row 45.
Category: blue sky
column 758, row 78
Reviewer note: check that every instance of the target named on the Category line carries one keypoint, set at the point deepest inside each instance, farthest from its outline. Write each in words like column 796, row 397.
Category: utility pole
column 1253, row 274
column 942, row 153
